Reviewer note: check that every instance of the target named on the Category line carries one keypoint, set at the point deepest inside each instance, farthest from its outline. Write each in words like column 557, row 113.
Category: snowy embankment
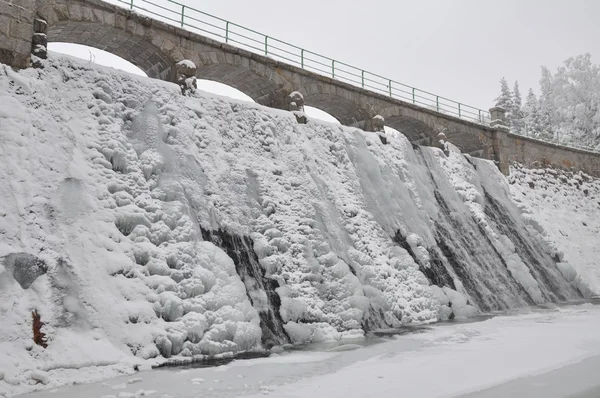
column 565, row 207
column 137, row 224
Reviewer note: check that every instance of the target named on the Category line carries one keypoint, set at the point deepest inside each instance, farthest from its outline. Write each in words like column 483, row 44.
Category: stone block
column 120, row 21
column 15, row 59
column 23, row 46
column 109, row 18
column 40, row 26
column 21, row 30
column 39, row 39
column 98, row 15
column 10, row 10
column 75, row 12
column 61, row 13
column 4, row 26
column 6, row 42
column 26, row 4
column 88, row 15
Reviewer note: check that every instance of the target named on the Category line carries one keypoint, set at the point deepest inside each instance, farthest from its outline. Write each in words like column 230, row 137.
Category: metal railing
column 197, row 21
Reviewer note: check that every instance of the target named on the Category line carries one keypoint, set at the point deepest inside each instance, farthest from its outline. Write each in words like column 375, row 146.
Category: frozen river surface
column 535, row 353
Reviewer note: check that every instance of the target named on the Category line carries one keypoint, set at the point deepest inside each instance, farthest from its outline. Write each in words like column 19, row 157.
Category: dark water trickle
column 241, row 251
column 541, row 265
column 464, row 251
column 209, row 362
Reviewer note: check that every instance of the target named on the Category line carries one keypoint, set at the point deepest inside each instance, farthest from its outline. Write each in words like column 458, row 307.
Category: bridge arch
column 347, row 111
column 107, row 28
column 415, row 129
column 241, row 73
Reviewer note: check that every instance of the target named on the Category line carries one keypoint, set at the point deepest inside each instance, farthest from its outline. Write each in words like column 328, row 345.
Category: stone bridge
column 156, row 47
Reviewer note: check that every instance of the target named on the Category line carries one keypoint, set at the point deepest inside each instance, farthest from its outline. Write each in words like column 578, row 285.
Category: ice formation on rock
column 173, row 225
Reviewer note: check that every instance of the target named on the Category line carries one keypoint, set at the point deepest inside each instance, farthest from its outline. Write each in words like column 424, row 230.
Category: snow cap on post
column 186, row 76
column 378, row 123
column 498, row 116
column 296, row 101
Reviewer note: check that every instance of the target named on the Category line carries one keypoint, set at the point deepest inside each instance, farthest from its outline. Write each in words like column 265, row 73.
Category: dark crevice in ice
column 542, row 266
column 464, row 252
column 436, row 272
column 241, row 251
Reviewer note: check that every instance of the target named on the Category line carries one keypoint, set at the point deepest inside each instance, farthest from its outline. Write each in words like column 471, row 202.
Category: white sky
column 455, row 48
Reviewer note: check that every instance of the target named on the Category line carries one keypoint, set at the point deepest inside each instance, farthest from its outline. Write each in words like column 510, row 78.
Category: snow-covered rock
column 564, row 207
column 164, row 225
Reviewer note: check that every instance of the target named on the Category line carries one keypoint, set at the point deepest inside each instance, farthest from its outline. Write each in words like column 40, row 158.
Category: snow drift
column 141, row 224
column 565, row 207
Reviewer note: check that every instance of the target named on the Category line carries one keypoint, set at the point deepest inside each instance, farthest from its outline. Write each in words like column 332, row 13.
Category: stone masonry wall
column 530, row 152
column 16, row 32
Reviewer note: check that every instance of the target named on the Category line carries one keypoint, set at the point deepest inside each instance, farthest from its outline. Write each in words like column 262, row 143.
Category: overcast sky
column 455, row 48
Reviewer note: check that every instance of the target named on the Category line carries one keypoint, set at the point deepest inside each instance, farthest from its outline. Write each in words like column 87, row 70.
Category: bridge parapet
column 157, row 46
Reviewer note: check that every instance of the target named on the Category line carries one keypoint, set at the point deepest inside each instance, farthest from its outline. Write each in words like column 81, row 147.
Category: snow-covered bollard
column 498, row 116
column 441, row 141
column 186, row 76
column 39, row 43
column 378, row 123
column 297, row 106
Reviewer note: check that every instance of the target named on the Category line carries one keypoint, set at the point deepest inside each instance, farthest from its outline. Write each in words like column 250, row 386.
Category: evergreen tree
column 568, row 107
column 546, row 103
column 505, row 100
column 517, row 116
column 531, row 115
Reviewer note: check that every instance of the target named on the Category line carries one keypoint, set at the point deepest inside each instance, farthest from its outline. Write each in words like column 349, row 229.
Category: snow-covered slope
column 565, row 206
column 140, row 224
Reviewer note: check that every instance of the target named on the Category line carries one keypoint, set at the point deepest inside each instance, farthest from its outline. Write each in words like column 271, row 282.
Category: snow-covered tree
column 505, row 99
column 516, row 113
column 531, row 116
column 568, row 107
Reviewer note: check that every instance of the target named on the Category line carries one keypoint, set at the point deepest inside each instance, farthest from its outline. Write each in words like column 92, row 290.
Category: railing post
column 182, row 16
column 437, row 103
column 459, row 115
column 266, row 45
column 302, row 58
column 413, row 92
column 480, row 118
column 333, row 68
column 362, row 75
column 390, row 86
column 227, row 32
column 131, row 5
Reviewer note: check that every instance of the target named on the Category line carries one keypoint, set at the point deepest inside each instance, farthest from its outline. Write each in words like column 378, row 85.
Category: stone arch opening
column 109, row 28
column 224, row 90
column 260, row 89
column 96, row 56
column 346, row 111
column 415, row 130
column 319, row 114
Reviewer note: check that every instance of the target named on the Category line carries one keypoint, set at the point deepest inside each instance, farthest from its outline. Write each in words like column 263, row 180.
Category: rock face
column 25, row 268
column 180, row 226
